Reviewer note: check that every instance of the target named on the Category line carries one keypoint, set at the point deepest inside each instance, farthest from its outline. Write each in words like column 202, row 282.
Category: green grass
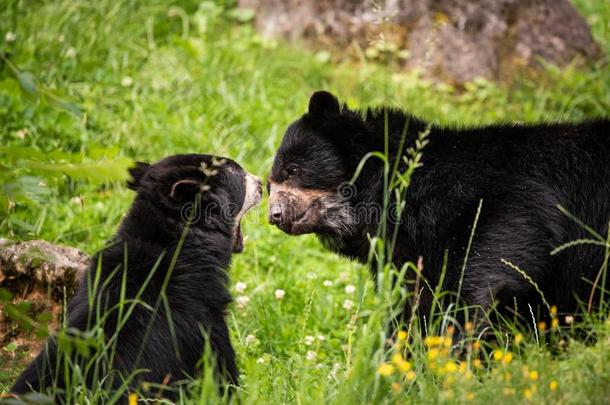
column 106, row 82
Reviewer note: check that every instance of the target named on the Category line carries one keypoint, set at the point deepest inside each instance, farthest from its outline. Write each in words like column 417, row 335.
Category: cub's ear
column 323, row 104
column 137, row 172
column 185, row 190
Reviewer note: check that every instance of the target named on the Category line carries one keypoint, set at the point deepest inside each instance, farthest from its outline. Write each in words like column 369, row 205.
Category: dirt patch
column 36, row 279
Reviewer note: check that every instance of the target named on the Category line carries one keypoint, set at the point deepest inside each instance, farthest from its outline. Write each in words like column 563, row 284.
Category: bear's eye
column 292, row 170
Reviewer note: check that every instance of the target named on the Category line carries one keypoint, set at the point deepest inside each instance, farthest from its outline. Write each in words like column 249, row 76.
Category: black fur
column 197, row 293
column 520, row 172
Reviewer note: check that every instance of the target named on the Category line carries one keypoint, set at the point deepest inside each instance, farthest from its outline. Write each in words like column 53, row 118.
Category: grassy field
column 87, row 87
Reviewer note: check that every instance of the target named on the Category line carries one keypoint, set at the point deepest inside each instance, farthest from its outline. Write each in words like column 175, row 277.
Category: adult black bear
column 521, row 173
column 154, row 252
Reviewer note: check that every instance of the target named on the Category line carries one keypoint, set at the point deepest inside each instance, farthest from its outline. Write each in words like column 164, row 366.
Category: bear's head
column 206, row 191
column 309, row 184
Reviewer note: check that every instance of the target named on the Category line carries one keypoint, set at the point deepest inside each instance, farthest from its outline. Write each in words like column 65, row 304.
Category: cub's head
column 208, row 191
column 309, row 190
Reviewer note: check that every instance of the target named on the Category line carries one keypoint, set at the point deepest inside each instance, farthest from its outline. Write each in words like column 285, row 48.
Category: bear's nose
column 275, row 214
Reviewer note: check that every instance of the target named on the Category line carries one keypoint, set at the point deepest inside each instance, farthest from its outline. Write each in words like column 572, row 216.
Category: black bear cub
column 170, row 257
column 520, row 174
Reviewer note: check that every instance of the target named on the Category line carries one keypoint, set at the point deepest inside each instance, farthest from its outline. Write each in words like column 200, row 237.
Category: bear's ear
column 137, row 172
column 185, row 190
column 323, row 104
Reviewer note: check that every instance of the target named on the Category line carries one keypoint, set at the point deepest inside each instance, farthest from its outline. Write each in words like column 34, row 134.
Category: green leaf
column 25, row 189
column 57, row 101
column 82, row 347
column 27, row 81
column 64, row 343
column 11, row 347
column 5, row 295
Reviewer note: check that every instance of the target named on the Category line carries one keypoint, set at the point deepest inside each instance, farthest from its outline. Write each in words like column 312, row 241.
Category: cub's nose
column 275, row 214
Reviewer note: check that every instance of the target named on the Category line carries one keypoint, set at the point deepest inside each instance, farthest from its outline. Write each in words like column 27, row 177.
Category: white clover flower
column 311, row 356
column 569, row 319
column 61, row 38
column 350, row 289
column 250, row 339
column 327, row 283
column 71, row 52
column 240, row 287
column 309, row 340
column 319, row 366
column 260, row 360
column 22, row 133
column 127, row 81
column 279, row 294
column 10, row 37
column 312, row 276
column 321, row 338
column 77, row 200
column 242, row 301
column 348, row 304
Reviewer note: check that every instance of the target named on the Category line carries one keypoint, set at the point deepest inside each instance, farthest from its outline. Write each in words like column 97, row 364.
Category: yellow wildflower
column 432, row 341
column 542, row 325
column 401, row 335
column 554, row 310
column 477, row 363
column 498, row 355
column 553, row 385
column 386, row 369
column 533, row 375
column 528, row 393
column 396, row 387
column 447, row 342
column 507, row 358
column 451, row 367
column 468, row 326
column 432, row 354
column 400, row 363
column 554, row 323
column 410, row 376
column 469, row 396
column 404, row 366
column 133, row 399
column 518, row 338
column 476, row 346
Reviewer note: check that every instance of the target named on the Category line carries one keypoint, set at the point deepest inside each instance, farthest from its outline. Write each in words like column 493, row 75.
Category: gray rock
column 455, row 40
column 40, row 265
